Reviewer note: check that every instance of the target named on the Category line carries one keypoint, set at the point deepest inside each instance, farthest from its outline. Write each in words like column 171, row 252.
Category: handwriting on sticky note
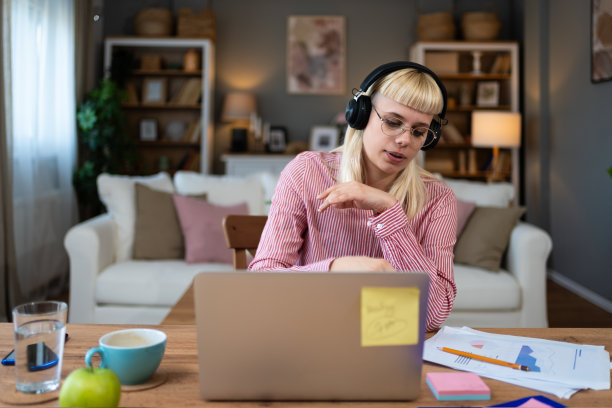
column 389, row 316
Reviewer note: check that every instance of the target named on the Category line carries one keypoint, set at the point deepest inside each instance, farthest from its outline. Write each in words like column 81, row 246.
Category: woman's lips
column 395, row 157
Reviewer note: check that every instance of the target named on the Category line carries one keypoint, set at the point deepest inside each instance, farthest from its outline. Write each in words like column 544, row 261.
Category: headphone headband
column 359, row 107
column 389, row 67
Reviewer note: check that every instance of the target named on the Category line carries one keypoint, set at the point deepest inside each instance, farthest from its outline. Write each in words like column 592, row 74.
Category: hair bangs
column 413, row 88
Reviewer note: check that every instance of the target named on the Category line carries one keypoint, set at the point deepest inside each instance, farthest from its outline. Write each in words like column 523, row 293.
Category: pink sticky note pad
column 533, row 403
column 458, row 385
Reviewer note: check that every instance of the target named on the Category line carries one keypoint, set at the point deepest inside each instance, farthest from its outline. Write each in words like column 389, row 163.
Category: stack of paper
column 558, row 368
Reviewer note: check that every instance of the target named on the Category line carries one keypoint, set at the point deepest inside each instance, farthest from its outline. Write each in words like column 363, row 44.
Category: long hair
column 419, row 91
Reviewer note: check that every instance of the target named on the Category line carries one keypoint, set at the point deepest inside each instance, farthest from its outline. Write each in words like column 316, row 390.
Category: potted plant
column 104, row 146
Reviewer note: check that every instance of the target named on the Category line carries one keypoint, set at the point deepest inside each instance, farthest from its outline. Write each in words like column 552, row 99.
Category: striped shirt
column 298, row 237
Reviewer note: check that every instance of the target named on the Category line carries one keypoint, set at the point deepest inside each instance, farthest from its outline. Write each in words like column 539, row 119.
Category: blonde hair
column 419, row 91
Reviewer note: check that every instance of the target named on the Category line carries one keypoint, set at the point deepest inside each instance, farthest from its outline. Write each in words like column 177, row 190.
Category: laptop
column 298, row 335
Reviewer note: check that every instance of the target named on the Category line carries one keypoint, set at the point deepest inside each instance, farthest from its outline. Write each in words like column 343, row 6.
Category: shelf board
column 476, row 175
column 166, row 106
column 166, row 72
column 469, row 108
column 465, row 145
column 167, row 143
column 470, row 76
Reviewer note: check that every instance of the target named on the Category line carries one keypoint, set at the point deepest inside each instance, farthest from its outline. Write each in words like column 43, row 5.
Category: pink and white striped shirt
column 298, row 237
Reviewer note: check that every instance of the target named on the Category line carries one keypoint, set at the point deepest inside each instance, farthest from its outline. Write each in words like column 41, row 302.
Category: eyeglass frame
column 430, row 133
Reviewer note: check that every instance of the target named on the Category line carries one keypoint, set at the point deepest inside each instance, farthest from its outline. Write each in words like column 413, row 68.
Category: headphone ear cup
column 431, row 142
column 350, row 114
column 358, row 112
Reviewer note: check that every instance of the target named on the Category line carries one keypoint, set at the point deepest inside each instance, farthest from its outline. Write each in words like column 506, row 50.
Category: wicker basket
column 480, row 26
column 435, row 27
column 200, row 25
column 153, row 22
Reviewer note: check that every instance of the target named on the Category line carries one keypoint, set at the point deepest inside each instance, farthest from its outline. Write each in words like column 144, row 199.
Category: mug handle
column 93, row 351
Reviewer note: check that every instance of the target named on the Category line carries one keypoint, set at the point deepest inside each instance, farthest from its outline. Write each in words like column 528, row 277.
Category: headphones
column 359, row 108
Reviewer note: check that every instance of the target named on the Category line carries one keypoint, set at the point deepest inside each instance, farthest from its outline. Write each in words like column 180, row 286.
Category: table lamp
column 238, row 107
column 496, row 129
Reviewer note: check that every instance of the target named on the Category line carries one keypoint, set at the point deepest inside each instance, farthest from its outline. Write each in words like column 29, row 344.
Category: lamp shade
column 496, row 129
column 238, row 106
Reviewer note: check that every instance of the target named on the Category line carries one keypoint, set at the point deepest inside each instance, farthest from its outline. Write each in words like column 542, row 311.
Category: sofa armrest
column 91, row 248
column 526, row 258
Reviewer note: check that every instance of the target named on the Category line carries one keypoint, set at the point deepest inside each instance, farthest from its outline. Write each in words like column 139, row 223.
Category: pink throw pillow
column 464, row 210
column 202, row 229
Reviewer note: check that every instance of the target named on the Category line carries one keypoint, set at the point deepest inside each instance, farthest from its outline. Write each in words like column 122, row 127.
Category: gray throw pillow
column 485, row 237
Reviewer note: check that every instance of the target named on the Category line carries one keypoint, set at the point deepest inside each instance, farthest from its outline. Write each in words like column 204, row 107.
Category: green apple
column 90, row 387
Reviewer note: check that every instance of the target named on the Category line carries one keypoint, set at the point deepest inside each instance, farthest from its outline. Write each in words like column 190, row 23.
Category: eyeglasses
column 394, row 127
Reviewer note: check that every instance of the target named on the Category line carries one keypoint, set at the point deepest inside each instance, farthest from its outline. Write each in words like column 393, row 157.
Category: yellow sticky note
column 389, row 316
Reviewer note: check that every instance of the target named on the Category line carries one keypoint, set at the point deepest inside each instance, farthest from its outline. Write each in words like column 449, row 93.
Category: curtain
column 9, row 283
column 43, row 135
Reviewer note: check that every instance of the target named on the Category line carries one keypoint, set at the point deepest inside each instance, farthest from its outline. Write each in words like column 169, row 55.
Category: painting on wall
column 601, row 40
column 316, row 54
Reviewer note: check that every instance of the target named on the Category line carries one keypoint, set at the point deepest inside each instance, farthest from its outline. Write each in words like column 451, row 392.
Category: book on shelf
column 193, row 132
column 189, row 94
column 502, row 65
column 189, row 161
column 131, row 95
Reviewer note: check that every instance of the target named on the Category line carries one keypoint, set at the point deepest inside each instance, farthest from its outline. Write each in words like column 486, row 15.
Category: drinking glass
column 39, row 345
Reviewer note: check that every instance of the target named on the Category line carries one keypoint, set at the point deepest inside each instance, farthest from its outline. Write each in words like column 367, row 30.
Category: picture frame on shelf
column 324, row 138
column 154, row 91
column 277, row 139
column 487, row 94
column 148, row 130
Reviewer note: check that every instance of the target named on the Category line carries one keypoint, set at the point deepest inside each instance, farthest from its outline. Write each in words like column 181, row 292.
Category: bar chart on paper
column 557, row 367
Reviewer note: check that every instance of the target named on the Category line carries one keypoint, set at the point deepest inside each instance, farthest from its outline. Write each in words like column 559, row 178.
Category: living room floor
column 565, row 309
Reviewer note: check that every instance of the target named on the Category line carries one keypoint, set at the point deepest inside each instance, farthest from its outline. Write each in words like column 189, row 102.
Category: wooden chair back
column 242, row 234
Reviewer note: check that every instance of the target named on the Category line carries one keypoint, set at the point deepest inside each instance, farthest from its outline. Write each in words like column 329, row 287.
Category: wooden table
column 181, row 367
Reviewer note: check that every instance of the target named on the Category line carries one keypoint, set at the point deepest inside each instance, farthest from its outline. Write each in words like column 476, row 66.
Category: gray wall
column 569, row 190
column 251, row 48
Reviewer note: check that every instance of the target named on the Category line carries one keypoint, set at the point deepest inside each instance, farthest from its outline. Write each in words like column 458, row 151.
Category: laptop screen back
column 301, row 336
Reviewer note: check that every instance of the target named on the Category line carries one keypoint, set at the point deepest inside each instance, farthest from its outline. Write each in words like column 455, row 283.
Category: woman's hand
column 360, row 263
column 356, row 195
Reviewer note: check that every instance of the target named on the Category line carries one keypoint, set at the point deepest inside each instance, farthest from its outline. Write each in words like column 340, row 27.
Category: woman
column 368, row 205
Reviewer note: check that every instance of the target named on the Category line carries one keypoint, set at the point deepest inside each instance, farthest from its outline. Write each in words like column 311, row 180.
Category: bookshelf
column 169, row 102
column 478, row 76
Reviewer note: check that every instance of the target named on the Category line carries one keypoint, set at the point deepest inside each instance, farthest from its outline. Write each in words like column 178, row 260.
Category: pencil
column 485, row 359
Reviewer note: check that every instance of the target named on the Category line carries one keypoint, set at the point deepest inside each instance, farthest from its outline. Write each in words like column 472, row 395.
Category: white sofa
column 108, row 287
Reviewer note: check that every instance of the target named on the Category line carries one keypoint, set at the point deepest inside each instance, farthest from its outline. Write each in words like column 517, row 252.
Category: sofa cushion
column 202, row 227
column 485, row 237
column 155, row 283
column 223, row 190
column 478, row 288
column 483, row 194
column 157, row 232
column 117, row 194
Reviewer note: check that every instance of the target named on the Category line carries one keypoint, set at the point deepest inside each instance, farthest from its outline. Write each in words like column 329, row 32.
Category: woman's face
column 385, row 156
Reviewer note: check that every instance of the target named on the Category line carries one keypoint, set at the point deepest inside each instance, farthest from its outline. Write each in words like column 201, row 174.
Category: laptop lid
column 310, row 335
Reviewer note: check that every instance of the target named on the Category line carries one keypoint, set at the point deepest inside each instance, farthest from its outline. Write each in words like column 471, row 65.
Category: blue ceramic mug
column 133, row 354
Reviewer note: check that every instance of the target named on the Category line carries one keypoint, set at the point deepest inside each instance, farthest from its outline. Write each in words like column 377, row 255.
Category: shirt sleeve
column 432, row 255
column 282, row 238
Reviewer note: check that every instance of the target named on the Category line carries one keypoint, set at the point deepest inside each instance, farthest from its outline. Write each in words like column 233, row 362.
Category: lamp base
column 239, row 140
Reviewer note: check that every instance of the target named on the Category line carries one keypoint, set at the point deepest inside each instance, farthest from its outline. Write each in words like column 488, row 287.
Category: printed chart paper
column 558, row 368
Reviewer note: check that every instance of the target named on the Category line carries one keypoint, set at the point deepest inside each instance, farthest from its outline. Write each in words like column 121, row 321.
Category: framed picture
column 324, row 138
column 488, row 93
column 148, row 129
column 154, row 91
column 601, row 40
column 277, row 139
column 316, row 54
